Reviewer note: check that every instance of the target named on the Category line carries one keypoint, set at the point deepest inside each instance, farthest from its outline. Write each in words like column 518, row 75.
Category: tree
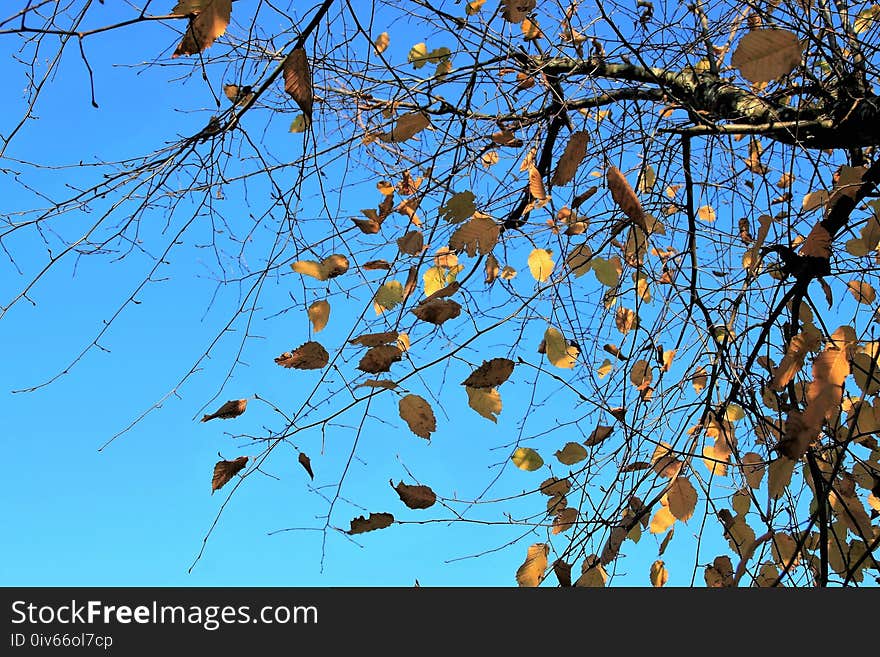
column 640, row 240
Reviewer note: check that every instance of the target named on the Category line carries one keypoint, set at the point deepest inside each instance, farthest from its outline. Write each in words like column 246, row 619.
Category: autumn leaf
column 388, row 296
column 490, row 374
column 208, row 20
column 381, row 43
column 600, row 434
column 706, row 213
column 780, row 476
column 515, row 11
column 753, row 469
column 682, row 498
column 555, row 487
column 437, row 311
column 377, row 383
column 459, row 207
column 862, row 292
column 361, row 524
column 226, row 470
column 415, row 497
column 308, row 356
column 565, row 519
column 536, row 184
column 541, row 264
column 380, row 358
column 575, row 151
column 298, row 81
column 531, row 572
column 525, row 458
column 661, row 521
column 559, row 352
column 412, row 243
column 407, row 127
column 625, row 197
column 375, row 339
column 593, row 574
column 229, row 410
column 319, row 315
column 306, row 463
column 478, row 235
column 579, row 260
column 659, row 575
column 766, row 54
column 607, row 271
column 485, row 401
column 418, row 415
column 329, row 267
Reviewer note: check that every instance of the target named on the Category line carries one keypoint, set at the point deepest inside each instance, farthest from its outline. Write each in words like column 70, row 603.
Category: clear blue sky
column 136, row 513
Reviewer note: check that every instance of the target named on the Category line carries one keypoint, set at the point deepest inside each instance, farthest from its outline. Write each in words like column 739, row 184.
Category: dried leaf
column 407, row 127
column 381, row 43
column 306, row 463
column 298, row 80
column 319, row 315
column 412, row 243
column 478, row 235
column 330, row 267
column 377, row 383
column 706, row 213
column 459, row 207
column 229, row 410
column 562, row 570
column 380, row 358
column 388, row 296
column 579, row 260
column 571, row 453
column 575, row 152
column 490, row 374
column 753, row 469
column 682, row 498
column 659, row 575
column 415, row 497
column 780, row 476
column 208, row 20
column 226, row 470
column 437, row 311
column 766, row 54
column 375, row 339
column 862, row 292
column 361, row 524
column 531, row 572
column 599, row 435
column 625, row 197
column 555, row 487
column 417, row 413
column 485, row 401
column 661, row 521
column 536, row 184
column 308, row 356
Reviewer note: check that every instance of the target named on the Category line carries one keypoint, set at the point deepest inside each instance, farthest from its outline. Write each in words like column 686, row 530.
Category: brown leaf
column 208, row 20
column 375, row 339
column 575, row 151
column 490, row 374
column 555, row 487
column 536, row 184
column 437, row 311
column 766, row 54
column 361, row 524
column 379, row 358
column 226, row 470
column 625, row 197
column 306, row 463
column 600, row 433
column 564, row 520
column 720, row 573
column 319, row 314
column 229, row 410
column 415, row 497
column 417, row 413
column 478, row 235
column 562, row 571
column 583, row 197
column 308, row 356
column 412, row 243
column 407, row 127
column 298, row 80
column 412, row 282
column 377, row 383
column 531, row 572
column 373, row 265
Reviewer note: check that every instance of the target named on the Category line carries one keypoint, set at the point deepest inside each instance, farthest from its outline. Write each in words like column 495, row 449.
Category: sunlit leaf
column 780, row 476
column 226, row 470
column 485, row 401
column 575, row 151
column 381, row 43
column 388, row 296
column 659, row 575
column 308, row 356
column 559, row 352
column 525, row 458
column 661, row 520
column 541, row 264
column 229, row 410
column 208, row 20
column 531, row 572
column 319, row 315
column 763, row 55
column 862, row 292
column 682, row 498
column 607, row 271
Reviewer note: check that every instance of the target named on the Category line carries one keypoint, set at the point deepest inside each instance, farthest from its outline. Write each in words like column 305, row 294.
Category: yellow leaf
column 866, row 19
column 319, row 314
column 682, row 498
column 485, row 401
column 607, row 271
column 766, row 54
column 381, row 42
column 541, row 264
column 473, row 7
column 531, row 30
column 659, row 574
column 780, row 476
column 699, row 379
column 625, row 319
column 593, row 574
column 559, row 352
column 388, row 296
column 706, row 213
column 531, row 572
column 525, row 458
column 330, row 267
column 734, row 412
column 604, row 369
column 661, row 521
column 418, row 55
column 437, row 278
column 536, row 184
